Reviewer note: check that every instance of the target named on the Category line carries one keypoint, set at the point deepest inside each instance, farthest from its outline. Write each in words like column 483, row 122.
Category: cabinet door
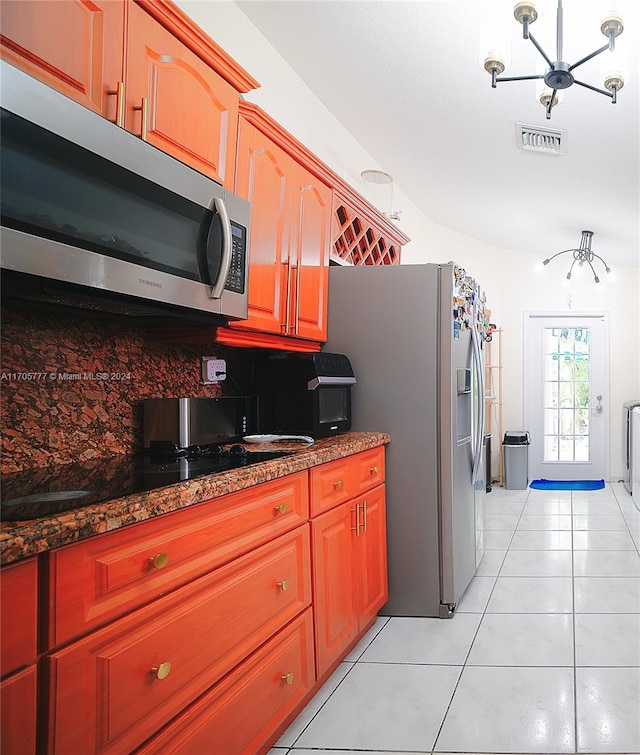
column 309, row 256
column 264, row 178
column 74, row 46
column 188, row 110
column 334, row 599
column 371, row 556
column 18, row 614
column 18, row 721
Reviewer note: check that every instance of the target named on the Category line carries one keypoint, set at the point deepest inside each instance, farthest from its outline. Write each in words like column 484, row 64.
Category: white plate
column 276, row 438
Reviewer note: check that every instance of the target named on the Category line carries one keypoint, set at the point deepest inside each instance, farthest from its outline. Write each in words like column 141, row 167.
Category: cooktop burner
column 49, row 491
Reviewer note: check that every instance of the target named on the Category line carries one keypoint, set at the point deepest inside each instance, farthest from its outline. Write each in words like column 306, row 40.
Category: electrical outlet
column 213, row 370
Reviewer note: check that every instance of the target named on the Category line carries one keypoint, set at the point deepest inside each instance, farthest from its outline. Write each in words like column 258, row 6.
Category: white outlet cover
column 213, row 370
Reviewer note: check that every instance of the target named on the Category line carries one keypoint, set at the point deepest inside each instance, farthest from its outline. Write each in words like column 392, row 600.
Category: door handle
column 227, row 248
column 144, row 116
column 599, row 407
column 119, row 94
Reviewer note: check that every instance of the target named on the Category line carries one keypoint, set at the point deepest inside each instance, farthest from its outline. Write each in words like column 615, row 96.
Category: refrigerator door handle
column 479, row 428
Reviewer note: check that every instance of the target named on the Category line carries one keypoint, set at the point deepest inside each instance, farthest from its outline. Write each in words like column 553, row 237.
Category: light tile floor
column 542, row 656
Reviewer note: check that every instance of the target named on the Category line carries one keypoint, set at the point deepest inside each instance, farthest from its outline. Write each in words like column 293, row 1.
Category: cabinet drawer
column 18, row 722
column 339, row 481
column 246, row 709
column 18, row 614
column 104, row 577
column 111, row 679
column 368, row 469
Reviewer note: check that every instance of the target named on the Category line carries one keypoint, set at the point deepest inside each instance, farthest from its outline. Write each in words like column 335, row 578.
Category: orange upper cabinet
column 264, row 179
column 144, row 65
column 291, row 213
column 176, row 102
column 74, row 46
column 309, row 256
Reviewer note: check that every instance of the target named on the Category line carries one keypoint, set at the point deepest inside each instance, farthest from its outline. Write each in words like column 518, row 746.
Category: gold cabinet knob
column 288, row 678
column 159, row 561
column 338, row 484
column 373, row 470
column 283, row 585
column 281, row 509
column 162, row 671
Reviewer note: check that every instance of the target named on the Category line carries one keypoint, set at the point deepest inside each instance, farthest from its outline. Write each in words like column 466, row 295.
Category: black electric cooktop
column 49, row 491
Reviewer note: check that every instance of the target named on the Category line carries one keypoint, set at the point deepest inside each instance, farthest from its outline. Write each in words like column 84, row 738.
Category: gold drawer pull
column 373, row 470
column 283, row 585
column 159, row 561
column 162, row 671
column 281, row 509
column 338, row 484
column 356, row 511
column 288, row 678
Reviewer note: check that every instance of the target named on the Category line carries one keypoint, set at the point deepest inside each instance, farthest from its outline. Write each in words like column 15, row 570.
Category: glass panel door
column 566, row 403
column 566, row 394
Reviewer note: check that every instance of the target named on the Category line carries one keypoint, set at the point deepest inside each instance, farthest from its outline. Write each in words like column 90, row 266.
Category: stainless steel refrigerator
column 414, row 335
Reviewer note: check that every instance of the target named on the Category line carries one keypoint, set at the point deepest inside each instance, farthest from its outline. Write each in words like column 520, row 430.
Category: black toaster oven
column 303, row 394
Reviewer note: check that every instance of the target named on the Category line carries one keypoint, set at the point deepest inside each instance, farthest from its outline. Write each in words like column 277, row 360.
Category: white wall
column 509, row 277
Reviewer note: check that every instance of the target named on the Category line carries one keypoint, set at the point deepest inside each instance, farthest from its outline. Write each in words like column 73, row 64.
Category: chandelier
column 559, row 74
column 581, row 255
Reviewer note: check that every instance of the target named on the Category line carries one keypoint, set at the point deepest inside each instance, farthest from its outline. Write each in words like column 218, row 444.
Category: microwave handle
column 225, row 260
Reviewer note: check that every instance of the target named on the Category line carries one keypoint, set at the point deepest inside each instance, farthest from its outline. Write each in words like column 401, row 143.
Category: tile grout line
column 464, row 664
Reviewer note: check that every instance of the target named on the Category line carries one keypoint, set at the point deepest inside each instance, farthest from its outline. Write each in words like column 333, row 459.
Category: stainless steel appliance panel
column 635, row 456
column 392, row 348
column 415, row 381
column 628, row 442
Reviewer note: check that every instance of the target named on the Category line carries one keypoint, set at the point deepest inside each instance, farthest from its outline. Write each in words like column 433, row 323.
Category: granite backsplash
column 71, row 389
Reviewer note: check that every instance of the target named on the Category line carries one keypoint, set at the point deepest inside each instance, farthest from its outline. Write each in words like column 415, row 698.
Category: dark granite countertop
column 22, row 539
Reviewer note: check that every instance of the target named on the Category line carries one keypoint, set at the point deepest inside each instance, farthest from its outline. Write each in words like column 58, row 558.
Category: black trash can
column 515, row 449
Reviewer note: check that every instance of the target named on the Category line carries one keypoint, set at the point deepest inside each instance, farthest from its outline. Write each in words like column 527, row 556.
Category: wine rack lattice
column 359, row 242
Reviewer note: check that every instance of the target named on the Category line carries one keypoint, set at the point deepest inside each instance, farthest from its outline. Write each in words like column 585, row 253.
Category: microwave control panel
column 236, row 280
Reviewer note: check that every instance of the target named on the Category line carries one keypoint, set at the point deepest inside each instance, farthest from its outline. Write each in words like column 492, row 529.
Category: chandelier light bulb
column 559, row 74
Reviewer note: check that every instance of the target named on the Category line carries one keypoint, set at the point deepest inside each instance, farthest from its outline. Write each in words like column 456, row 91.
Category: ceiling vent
column 551, row 141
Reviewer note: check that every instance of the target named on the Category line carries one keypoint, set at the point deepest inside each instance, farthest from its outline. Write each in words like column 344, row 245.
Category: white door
column 566, row 385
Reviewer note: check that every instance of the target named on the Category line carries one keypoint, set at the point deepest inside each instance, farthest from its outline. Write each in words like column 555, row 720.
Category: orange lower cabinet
column 371, row 558
column 18, row 615
column 243, row 713
column 18, row 694
column 349, row 552
column 334, row 596
column 115, row 688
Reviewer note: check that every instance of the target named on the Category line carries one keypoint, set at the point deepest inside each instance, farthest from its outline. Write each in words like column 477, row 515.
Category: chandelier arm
column 564, row 251
column 588, row 57
column 606, row 267
column 519, row 78
column 594, row 89
column 540, row 50
column 595, row 276
column 550, row 103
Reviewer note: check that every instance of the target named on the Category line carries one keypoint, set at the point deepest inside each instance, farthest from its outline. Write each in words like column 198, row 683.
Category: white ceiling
column 404, row 77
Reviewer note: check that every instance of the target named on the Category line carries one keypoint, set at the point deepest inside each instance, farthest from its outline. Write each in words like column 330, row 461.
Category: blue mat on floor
column 567, row 484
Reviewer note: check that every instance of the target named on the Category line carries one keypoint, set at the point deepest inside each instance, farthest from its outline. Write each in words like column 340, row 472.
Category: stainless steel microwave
column 87, row 204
